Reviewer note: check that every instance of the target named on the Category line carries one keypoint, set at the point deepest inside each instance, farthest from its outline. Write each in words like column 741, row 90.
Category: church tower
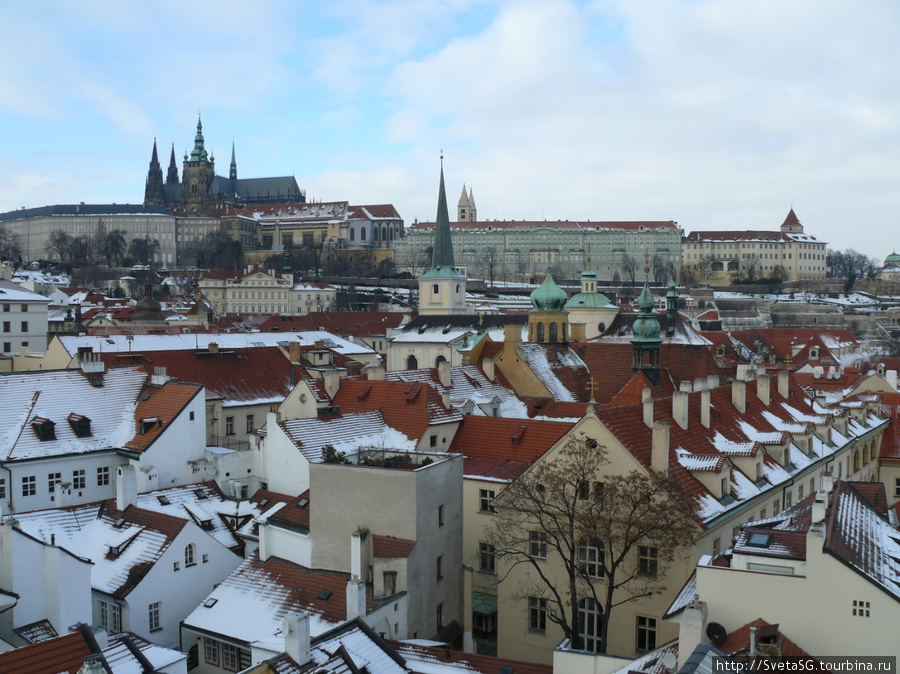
column 172, row 175
column 232, row 171
column 791, row 224
column 197, row 176
column 646, row 341
column 442, row 289
column 465, row 209
column 548, row 319
column 153, row 190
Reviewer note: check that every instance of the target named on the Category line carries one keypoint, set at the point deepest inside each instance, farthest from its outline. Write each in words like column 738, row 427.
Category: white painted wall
column 41, row 469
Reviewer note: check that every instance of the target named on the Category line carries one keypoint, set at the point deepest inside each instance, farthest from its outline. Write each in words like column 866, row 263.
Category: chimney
column 512, row 334
column 685, row 385
column 295, row 630
column 126, row 486
column 648, row 411
column 659, row 449
column 680, row 408
column 692, row 630
column 444, row 377
column 213, row 347
column 488, row 366
column 294, row 352
column 445, row 399
column 752, row 642
column 159, row 377
column 712, row 381
column 891, row 378
column 358, row 556
column 375, row 373
column 827, row 482
column 784, row 383
column 704, row 407
column 356, row 598
column 577, row 332
column 332, row 382
column 701, row 383
column 92, row 363
column 739, row 395
column 763, row 389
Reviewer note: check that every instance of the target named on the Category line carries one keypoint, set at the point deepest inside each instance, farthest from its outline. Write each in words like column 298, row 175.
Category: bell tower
column 197, row 176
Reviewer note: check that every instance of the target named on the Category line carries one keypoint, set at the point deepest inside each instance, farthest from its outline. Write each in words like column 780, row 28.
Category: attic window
column 97, row 382
column 325, row 595
column 302, row 503
column 148, row 423
column 163, row 500
column 759, row 540
column 264, row 503
column 200, row 494
column 81, row 425
column 45, row 429
column 209, row 603
column 119, row 523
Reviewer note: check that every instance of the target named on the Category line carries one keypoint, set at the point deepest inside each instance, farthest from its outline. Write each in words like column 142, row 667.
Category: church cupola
column 548, row 320
column 645, row 340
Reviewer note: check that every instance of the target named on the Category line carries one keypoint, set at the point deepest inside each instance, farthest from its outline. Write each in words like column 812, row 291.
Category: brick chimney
column 213, row 347
column 659, row 449
column 739, row 395
column 294, row 351
column 680, row 408
column 763, row 389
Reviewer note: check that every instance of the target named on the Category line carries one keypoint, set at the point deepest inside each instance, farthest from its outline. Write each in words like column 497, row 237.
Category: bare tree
column 59, row 243
column 751, row 267
column 489, row 259
column 612, row 537
column 660, row 269
column 630, row 267
column 109, row 245
column 9, row 244
column 81, row 249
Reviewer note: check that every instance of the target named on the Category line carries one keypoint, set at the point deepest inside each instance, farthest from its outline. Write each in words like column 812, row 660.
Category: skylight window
column 209, row 603
column 759, row 540
column 325, row 595
column 163, row 500
column 302, row 503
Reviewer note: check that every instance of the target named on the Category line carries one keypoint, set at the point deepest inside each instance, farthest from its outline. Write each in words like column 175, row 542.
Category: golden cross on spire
column 591, row 386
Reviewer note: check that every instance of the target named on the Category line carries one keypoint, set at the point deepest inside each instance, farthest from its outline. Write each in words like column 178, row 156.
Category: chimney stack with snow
column 295, row 630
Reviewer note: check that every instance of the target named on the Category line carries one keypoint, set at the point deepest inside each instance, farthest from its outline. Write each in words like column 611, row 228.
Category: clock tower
column 197, row 175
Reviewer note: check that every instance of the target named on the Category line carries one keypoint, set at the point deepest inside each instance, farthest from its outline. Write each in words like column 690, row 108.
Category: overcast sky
column 719, row 114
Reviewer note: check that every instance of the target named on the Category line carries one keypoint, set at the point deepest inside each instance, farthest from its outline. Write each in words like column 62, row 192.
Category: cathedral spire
column 199, row 151
column 172, row 175
column 442, row 255
column 153, row 188
column 232, row 173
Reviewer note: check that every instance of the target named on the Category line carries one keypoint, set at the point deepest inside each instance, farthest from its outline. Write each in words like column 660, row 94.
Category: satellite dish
column 716, row 633
column 669, row 660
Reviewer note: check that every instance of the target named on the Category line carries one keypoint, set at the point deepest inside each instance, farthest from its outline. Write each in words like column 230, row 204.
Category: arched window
column 352, row 234
column 384, row 232
column 190, row 555
column 434, row 289
column 540, row 332
column 590, row 619
column 412, row 363
column 855, row 460
column 362, row 234
column 554, row 333
column 440, row 359
column 375, row 234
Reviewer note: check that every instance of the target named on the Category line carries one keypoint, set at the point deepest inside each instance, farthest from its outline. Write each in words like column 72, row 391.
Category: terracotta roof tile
column 295, row 512
column 63, row 654
column 391, row 547
column 507, row 439
column 157, row 407
column 739, row 640
column 484, row 664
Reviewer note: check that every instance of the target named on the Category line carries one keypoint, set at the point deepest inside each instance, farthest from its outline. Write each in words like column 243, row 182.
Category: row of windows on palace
column 764, row 256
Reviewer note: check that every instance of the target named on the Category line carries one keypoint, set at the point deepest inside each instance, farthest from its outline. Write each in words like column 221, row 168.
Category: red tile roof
column 162, row 404
column 63, row 654
column 341, row 323
column 295, row 512
column 485, row 664
column 391, row 547
column 551, row 224
column 235, row 375
column 507, row 439
column 739, row 640
column 408, row 407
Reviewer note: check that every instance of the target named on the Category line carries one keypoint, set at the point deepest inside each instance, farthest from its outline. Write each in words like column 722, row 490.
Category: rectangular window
column 211, row 651
column 229, row 425
column 538, row 544
column 390, row 583
column 717, row 547
column 897, row 487
column 24, row 326
column 432, row 441
column 153, row 616
column 6, row 307
column 52, row 479
column 229, row 656
column 110, row 616
column 440, row 515
column 29, row 485
column 7, row 326
column 439, row 615
column 648, row 560
column 861, row 608
column 485, row 496
column 591, row 558
column 537, row 614
column 7, row 347
column 645, row 637
column 3, row 487
column 191, row 417
column 439, row 567
column 102, row 476
column 486, row 557
column 788, row 499
column 250, row 425
column 78, row 479
column 24, row 308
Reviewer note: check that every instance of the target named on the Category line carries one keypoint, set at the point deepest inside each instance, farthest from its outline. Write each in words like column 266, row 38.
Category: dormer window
column 720, row 351
column 45, row 429
column 814, row 353
column 148, row 423
column 81, row 425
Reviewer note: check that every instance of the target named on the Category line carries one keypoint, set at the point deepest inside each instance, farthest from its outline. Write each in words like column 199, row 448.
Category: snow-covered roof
column 30, row 399
column 225, row 340
column 345, row 433
column 11, row 292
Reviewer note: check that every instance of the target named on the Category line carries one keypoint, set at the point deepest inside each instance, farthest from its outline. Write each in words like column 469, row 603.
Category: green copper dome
column 646, row 327
column 548, row 296
column 893, row 258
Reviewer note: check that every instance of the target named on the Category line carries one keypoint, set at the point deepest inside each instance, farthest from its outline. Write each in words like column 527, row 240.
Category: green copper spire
column 199, row 151
column 232, row 173
column 672, row 297
column 442, row 263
